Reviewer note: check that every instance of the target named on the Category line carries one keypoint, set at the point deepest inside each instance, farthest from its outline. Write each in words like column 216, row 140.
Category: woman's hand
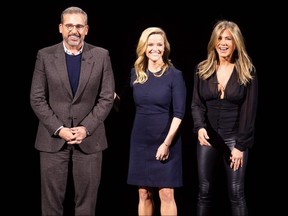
column 162, row 152
column 203, row 137
column 236, row 159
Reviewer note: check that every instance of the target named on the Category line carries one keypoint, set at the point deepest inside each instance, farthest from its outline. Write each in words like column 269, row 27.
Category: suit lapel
column 85, row 73
column 86, row 69
column 61, row 68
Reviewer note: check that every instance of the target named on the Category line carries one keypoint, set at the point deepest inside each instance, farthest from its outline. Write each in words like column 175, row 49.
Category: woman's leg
column 168, row 204
column 146, row 203
column 236, row 183
column 207, row 158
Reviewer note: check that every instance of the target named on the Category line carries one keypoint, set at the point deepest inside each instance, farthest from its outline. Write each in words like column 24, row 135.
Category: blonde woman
column 159, row 94
column 224, row 109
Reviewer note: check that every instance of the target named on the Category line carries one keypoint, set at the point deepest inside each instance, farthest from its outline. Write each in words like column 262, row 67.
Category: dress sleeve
column 179, row 95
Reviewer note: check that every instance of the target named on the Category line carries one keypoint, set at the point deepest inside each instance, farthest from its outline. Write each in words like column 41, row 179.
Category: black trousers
column 208, row 159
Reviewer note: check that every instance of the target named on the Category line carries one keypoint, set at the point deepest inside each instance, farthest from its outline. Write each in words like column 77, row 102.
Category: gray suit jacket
column 53, row 103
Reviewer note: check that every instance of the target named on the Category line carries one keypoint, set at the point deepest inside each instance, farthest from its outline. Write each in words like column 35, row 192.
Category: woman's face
column 225, row 45
column 155, row 47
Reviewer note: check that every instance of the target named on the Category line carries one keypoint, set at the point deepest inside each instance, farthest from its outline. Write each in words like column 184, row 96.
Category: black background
column 117, row 27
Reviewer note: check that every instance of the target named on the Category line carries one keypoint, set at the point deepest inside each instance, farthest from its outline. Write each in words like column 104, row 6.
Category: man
column 72, row 93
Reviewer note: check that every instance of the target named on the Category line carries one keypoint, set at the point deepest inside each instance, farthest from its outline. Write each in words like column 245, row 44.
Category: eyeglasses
column 70, row 27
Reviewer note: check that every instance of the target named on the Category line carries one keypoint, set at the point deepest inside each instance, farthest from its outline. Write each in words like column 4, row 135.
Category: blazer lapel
column 86, row 70
column 61, row 68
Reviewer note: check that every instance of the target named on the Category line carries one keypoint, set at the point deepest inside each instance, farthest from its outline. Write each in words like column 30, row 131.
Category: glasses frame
column 70, row 27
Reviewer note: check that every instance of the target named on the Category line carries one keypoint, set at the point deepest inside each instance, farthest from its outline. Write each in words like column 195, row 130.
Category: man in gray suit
column 72, row 93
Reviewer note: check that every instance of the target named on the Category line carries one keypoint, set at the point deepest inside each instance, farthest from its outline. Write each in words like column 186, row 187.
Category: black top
column 235, row 112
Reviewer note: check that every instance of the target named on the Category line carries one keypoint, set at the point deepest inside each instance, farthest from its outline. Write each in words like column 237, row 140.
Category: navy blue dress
column 157, row 101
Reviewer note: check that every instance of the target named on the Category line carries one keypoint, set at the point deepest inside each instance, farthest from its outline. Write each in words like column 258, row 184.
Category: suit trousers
column 85, row 170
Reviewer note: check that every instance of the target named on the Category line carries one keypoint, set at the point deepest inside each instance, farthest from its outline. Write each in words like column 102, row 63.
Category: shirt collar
column 66, row 50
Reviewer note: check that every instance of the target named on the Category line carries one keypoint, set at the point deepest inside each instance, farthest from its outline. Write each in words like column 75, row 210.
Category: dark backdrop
column 117, row 27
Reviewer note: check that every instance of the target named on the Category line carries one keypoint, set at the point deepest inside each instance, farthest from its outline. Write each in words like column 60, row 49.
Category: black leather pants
column 207, row 158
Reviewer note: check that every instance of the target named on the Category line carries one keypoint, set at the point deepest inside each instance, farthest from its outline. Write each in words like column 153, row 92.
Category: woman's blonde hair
column 141, row 63
column 242, row 61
